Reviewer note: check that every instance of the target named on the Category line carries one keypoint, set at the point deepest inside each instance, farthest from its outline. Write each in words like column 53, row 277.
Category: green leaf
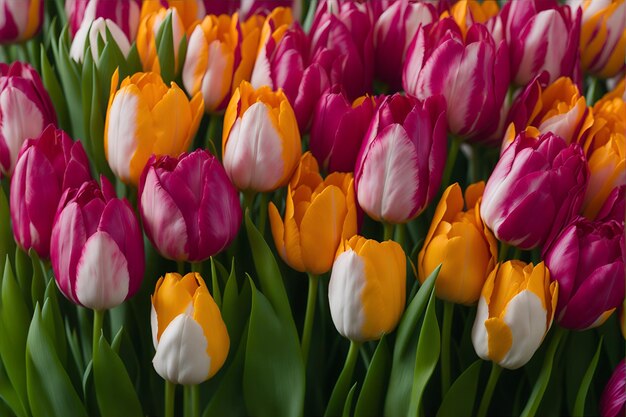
column 273, row 376
column 9, row 396
column 165, row 49
column 7, row 244
column 38, row 283
column 347, row 407
column 236, row 306
column 459, row 400
column 217, row 295
column 14, row 320
column 428, row 348
column 374, row 386
column 72, row 340
column 579, row 405
column 51, row 313
column 51, row 83
column 182, row 53
column 133, row 61
column 114, row 390
column 23, row 275
column 69, row 76
column 403, row 364
column 96, row 126
column 50, row 390
column 86, row 89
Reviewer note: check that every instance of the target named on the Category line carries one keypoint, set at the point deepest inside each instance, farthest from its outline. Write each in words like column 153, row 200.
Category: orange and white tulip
column 146, row 117
column 261, row 142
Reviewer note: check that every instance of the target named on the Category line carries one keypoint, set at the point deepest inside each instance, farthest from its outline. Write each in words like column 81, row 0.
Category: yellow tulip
column 459, row 241
column 319, row 215
column 367, row 288
column 146, row 117
column 467, row 12
column 188, row 332
column 515, row 312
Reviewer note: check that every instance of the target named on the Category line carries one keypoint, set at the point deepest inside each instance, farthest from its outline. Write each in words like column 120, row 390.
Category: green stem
column 340, row 391
column 309, row 316
column 454, row 151
column 181, row 267
column 491, row 384
column 400, row 235
column 191, row 399
column 475, row 164
column 590, row 98
column 448, row 313
column 388, row 229
column 170, row 391
column 211, row 140
column 365, row 356
column 98, row 318
column 263, row 212
column 504, row 248
column 517, row 253
column 196, row 267
column 248, row 200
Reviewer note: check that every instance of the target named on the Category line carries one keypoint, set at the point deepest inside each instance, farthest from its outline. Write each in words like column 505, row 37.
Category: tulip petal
column 346, row 284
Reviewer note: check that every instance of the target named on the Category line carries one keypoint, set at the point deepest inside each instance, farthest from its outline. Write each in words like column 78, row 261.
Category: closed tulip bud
column 189, row 335
column 471, row 72
column 341, row 39
column 542, row 179
column 260, row 142
column 613, row 398
column 603, row 36
column 401, row 162
column 21, row 19
column 558, row 108
column 188, row 207
column 285, row 63
column 367, row 288
column 393, row 32
column 339, row 127
column 542, row 36
column 319, row 215
column 149, row 27
column 47, row 166
column 265, row 7
column 461, row 243
column 96, row 247
column 220, row 55
column 145, row 117
column 96, row 32
column 25, row 110
column 124, row 13
column 614, row 207
column 515, row 311
column 587, row 260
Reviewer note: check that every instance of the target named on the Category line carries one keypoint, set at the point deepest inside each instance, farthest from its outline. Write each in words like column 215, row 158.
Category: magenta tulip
column 401, row 161
column 25, row 110
column 587, row 260
column 535, row 189
column 189, row 208
column 542, row 36
column 248, row 8
column 338, row 129
column 613, row 400
column 46, row 167
column 96, row 247
column 341, row 39
column 20, row 19
column 124, row 13
column 471, row 72
column 614, row 207
column 393, row 32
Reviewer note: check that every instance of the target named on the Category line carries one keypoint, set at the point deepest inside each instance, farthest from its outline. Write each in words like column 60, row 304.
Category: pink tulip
column 471, row 72
column 614, row 207
column 25, row 110
column 339, row 127
column 124, row 13
column 189, row 208
column 535, row 189
column 401, row 161
column 46, row 167
column 613, row 400
column 21, row 19
column 96, row 247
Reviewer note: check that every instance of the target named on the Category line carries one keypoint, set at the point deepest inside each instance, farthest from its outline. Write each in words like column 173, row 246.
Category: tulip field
column 312, row 208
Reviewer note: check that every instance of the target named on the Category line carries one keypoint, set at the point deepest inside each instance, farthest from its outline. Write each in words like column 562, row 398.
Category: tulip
column 558, row 108
column 96, row 247
column 25, row 110
column 461, row 243
column 338, row 130
column 265, row 7
column 285, row 63
column 471, row 72
column 587, row 260
column 367, row 288
column 189, row 335
column 124, row 13
column 21, row 19
column 149, row 27
column 96, row 31
column 189, row 11
column 609, row 117
column 341, row 39
column 515, row 312
column 542, row 36
column 393, row 32
column 614, row 207
column 188, row 207
column 401, row 161
column 220, row 55
column 603, row 36
column 145, row 117
column 47, row 166
column 260, row 142
column 319, row 215
column 535, row 189
column 467, row 12
column 613, row 398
